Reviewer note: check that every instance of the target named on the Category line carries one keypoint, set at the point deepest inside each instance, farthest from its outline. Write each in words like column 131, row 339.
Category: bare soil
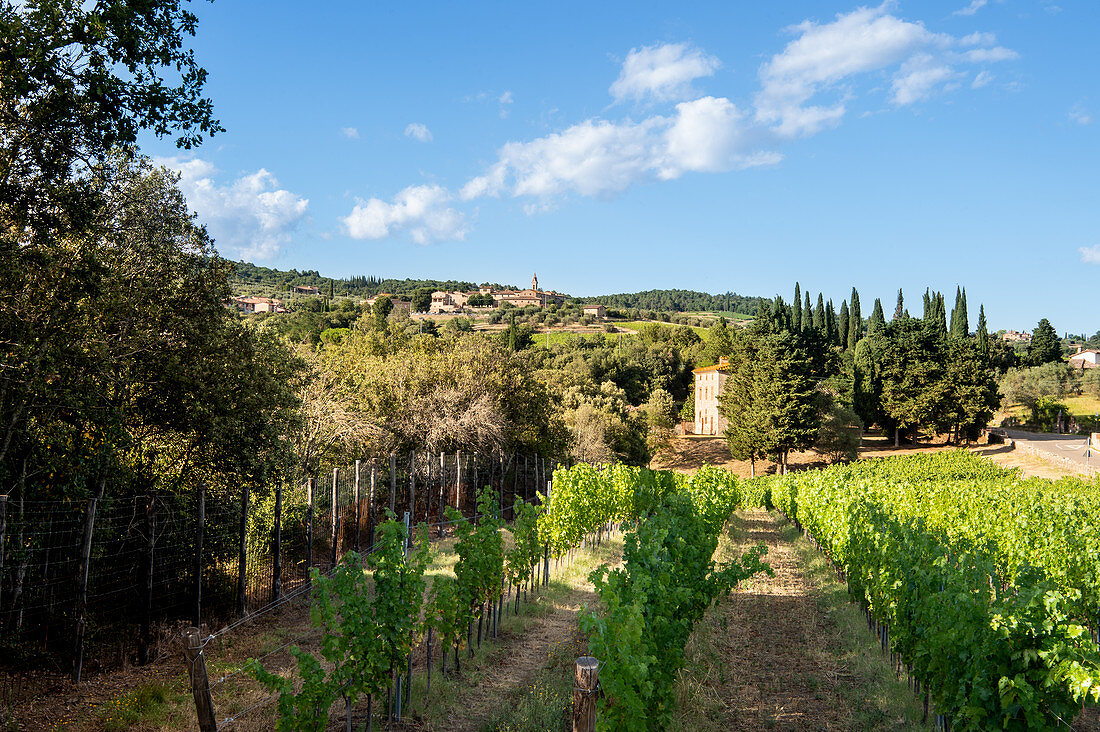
column 772, row 654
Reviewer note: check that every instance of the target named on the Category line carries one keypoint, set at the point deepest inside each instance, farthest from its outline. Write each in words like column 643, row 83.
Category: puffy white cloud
column 973, row 7
column 825, row 57
column 350, row 132
column 864, row 40
column 418, row 131
column 1090, row 255
column 250, row 217
column 1079, row 115
column 422, row 211
column 603, row 158
column 662, row 72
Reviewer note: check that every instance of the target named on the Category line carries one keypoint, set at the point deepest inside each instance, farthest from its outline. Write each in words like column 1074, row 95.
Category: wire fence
column 95, row 584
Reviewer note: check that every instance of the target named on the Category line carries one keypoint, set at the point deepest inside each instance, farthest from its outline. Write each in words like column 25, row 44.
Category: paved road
column 1070, row 447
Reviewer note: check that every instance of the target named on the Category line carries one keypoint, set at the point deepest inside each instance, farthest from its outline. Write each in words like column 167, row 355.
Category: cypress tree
column 929, row 308
column 983, row 331
column 855, row 321
column 796, row 310
column 878, row 319
column 941, row 313
column 830, row 324
column 807, row 314
column 844, row 324
column 964, row 319
column 959, row 328
column 819, row 314
column 779, row 314
column 899, row 309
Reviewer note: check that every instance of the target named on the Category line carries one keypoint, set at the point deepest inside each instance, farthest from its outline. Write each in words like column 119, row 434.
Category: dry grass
column 785, row 652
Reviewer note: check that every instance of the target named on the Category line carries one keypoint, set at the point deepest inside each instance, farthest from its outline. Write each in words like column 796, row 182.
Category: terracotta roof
column 1087, row 350
column 715, row 367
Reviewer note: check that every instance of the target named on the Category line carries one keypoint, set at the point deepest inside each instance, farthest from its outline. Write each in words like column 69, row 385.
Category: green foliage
column 480, row 549
column 983, row 580
column 1045, row 346
column 368, row 627
column 652, row 603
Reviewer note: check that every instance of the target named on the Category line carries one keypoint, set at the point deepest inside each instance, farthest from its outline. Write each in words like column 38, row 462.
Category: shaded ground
column 773, row 656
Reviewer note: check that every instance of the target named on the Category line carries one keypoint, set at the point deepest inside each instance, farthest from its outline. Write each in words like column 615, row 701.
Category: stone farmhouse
column 709, row 381
column 596, row 311
column 455, row 301
column 1085, row 359
column 250, row 305
column 1015, row 336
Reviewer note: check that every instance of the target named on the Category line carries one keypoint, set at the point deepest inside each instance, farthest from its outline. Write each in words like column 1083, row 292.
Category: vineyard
column 983, row 590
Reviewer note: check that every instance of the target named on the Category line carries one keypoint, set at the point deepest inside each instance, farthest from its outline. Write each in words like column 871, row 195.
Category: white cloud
column 250, row 217
column 662, row 72
column 982, row 79
column 421, row 211
column 973, row 7
column 1090, row 255
column 602, row 158
column 505, row 98
column 1079, row 115
column 990, row 55
column 418, row 131
column 350, row 132
column 826, row 58
column 866, row 39
column 918, row 78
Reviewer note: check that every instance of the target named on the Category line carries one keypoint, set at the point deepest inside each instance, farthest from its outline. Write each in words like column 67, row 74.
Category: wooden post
column 3, row 531
column 393, row 481
column 585, row 685
column 458, row 480
column 335, row 518
column 357, row 512
column 147, row 590
column 526, row 478
column 277, row 548
column 200, row 684
column 412, row 486
column 309, row 530
column 370, row 507
column 442, row 488
column 199, row 521
column 242, row 557
column 82, row 584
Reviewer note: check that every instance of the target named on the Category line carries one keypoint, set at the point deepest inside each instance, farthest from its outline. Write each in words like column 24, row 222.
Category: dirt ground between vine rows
column 779, row 669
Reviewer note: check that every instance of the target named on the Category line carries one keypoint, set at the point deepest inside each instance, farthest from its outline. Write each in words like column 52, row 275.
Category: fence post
column 412, row 486
column 442, row 488
column 277, row 540
column 458, row 479
column 147, row 604
column 335, row 518
column 199, row 521
column 200, row 685
column 370, row 508
column 242, row 557
column 82, row 585
column 585, row 684
column 3, row 531
column 309, row 531
column 393, row 481
column 526, row 478
column 357, row 512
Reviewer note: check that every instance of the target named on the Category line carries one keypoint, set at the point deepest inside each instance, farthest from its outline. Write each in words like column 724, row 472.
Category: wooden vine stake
column 200, row 685
column 585, row 684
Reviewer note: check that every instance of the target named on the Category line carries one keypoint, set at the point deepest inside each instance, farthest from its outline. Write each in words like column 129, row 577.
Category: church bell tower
column 535, row 282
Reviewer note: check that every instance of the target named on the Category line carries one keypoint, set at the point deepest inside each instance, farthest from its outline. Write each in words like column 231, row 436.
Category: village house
column 250, row 305
column 709, row 382
column 398, row 304
column 596, row 311
column 305, row 290
column 1085, row 359
column 1014, row 336
column 455, row 301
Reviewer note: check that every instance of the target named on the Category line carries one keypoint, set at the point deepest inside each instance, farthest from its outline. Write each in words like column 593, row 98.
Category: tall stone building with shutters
column 709, row 382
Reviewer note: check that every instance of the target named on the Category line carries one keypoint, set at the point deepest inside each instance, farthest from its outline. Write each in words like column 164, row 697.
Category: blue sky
column 618, row 147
